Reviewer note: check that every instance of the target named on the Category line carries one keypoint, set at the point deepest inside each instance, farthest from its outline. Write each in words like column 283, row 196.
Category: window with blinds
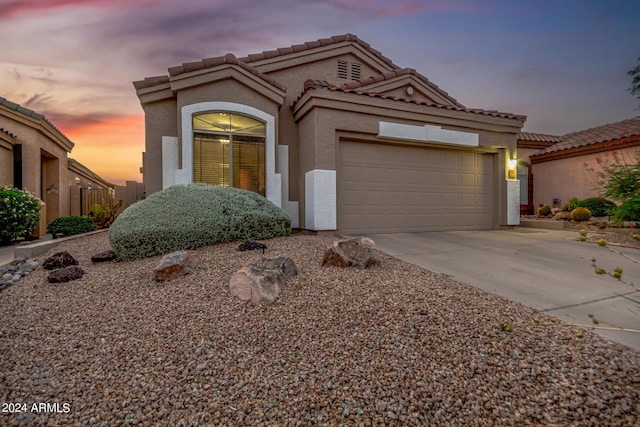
column 229, row 150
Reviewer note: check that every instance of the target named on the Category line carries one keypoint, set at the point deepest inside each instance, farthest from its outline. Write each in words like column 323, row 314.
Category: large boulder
column 356, row 252
column 59, row 260
column 66, row 274
column 176, row 264
column 262, row 281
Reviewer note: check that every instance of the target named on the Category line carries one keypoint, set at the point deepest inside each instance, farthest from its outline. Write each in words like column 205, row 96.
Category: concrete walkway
column 548, row 270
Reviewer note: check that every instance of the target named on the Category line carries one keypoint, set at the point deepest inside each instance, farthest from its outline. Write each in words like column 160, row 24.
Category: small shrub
column 544, row 210
column 628, row 211
column 104, row 214
column 573, row 203
column 598, row 206
column 580, row 214
column 617, row 273
column 70, row 225
column 192, row 216
column 602, row 242
column 19, row 213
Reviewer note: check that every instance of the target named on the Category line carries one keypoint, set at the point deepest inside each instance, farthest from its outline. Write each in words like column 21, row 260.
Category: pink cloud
column 11, row 8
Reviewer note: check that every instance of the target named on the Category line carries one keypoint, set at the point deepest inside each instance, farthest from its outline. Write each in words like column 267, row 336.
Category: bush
column 104, row 214
column 573, row 203
column 19, row 213
column 580, row 214
column 598, row 206
column 544, row 210
column 70, row 225
column 622, row 180
column 192, row 216
column 628, row 211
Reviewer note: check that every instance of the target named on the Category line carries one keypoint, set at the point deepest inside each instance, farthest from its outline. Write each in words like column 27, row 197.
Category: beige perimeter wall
column 572, row 177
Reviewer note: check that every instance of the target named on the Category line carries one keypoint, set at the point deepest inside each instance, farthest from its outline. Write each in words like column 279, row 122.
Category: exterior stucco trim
column 320, row 200
column 427, row 133
column 185, row 175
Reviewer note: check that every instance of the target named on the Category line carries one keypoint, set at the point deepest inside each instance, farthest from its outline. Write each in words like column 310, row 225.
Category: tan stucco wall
column 160, row 119
column 567, row 178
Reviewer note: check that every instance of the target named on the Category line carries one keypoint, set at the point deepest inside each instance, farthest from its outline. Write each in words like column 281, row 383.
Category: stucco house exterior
column 34, row 156
column 558, row 168
column 337, row 135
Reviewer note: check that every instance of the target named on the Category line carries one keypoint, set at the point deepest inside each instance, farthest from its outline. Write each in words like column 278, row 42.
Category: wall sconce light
column 77, row 181
column 513, row 163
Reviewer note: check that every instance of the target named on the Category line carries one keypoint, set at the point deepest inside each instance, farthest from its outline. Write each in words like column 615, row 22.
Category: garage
column 386, row 188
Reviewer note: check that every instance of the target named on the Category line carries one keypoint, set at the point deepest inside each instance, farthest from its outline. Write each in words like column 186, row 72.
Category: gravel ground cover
column 391, row 345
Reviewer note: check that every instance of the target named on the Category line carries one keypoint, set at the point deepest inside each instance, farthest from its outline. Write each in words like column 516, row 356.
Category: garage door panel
column 390, row 188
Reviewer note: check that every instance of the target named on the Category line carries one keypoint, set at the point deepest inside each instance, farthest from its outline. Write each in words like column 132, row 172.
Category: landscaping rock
column 66, row 274
column 59, row 260
column 563, row 215
column 104, row 256
column 262, row 281
column 252, row 246
column 356, row 252
column 176, row 264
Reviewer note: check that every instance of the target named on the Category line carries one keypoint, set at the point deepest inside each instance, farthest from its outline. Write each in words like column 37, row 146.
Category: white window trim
column 273, row 179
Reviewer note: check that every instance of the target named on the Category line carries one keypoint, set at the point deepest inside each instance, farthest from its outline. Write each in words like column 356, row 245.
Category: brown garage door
column 391, row 188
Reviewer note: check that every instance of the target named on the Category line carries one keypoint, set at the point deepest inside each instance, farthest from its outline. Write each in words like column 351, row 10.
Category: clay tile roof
column 323, row 84
column 150, row 81
column 188, row 67
column 30, row 113
column 316, row 44
column 604, row 133
column 537, row 137
column 397, row 73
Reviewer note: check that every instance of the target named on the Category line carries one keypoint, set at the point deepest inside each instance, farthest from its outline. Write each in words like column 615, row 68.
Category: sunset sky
column 562, row 63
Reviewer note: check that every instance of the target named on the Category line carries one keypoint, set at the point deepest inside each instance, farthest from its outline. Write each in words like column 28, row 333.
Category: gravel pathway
column 391, row 345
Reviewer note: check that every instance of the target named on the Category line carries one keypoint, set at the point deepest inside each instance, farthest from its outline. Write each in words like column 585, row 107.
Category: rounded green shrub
column 580, row 214
column 544, row 210
column 628, row 210
column 70, row 225
column 598, row 206
column 195, row 215
column 19, row 213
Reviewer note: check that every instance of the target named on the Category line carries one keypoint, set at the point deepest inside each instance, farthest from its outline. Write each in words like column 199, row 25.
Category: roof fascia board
column 226, row 71
column 41, row 126
column 534, row 144
column 294, row 59
column 406, row 80
column 155, row 93
column 81, row 169
column 335, row 100
column 599, row 147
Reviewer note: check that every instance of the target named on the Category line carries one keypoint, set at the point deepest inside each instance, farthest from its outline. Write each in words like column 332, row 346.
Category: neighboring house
column 337, row 135
column 33, row 156
column 566, row 166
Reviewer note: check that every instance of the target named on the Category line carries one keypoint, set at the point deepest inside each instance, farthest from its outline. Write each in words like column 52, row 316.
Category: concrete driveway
column 547, row 270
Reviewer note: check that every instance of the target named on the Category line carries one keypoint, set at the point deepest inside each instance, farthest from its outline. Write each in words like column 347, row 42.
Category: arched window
column 229, row 150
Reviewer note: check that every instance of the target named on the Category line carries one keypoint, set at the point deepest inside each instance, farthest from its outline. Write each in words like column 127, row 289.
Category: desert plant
column 580, row 214
column 19, row 213
column 573, row 203
column 192, row 216
column 628, row 210
column 104, row 214
column 544, row 210
column 599, row 206
column 70, row 225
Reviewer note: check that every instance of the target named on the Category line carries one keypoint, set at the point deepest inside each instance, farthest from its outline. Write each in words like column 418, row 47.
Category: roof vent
column 343, row 70
column 355, row 71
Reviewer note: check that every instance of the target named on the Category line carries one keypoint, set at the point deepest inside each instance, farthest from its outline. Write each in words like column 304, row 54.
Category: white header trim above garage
column 427, row 133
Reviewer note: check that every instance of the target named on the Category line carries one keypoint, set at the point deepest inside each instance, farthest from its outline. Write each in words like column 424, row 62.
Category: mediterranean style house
column 337, row 135
column 554, row 169
column 34, row 156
